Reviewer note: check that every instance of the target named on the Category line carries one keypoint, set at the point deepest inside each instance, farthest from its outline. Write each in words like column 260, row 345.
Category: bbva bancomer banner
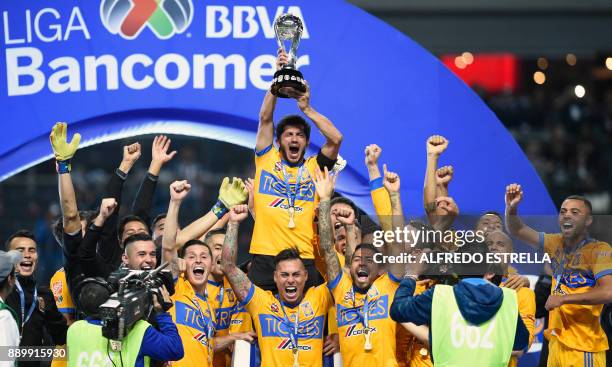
column 119, row 68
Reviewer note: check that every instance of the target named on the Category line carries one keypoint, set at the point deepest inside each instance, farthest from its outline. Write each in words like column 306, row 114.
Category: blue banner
column 118, row 68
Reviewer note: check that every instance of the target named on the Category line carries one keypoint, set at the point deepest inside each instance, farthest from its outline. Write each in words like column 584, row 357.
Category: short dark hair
column 91, row 297
column 366, row 246
column 137, row 237
column 125, row 220
column 193, row 243
column 473, row 269
column 88, row 216
column 291, row 253
column 213, row 232
column 58, row 224
column 586, row 201
column 492, row 212
column 157, row 219
column 19, row 233
column 292, row 120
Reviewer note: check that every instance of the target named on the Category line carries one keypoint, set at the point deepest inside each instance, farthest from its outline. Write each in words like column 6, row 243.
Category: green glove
column 233, row 193
column 61, row 148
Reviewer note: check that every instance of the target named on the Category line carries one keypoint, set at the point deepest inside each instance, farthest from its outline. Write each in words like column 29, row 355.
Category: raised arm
column 178, row 192
column 380, row 196
column 238, row 280
column 326, row 127
column 230, row 193
column 347, row 219
column 435, row 145
column 109, row 243
column 324, row 184
column 64, row 152
column 446, row 212
column 392, row 184
column 514, row 224
column 90, row 263
column 444, row 176
column 160, row 155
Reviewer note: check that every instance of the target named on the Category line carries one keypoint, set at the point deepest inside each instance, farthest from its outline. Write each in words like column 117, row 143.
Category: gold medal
column 367, row 346
column 295, row 357
column 423, row 352
column 291, row 213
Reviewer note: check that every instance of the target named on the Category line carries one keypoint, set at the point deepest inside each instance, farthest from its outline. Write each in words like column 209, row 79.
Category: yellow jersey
column 222, row 301
column 271, row 233
column 382, row 203
column 577, row 326
column 350, row 318
column 63, row 301
column 275, row 321
column 241, row 320
column 61, row 293
column 195, row 320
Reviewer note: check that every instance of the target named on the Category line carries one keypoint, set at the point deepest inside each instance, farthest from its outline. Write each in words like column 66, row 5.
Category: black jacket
column 50, row 322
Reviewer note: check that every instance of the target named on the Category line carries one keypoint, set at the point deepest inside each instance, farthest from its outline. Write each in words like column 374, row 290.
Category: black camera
column 132, row 299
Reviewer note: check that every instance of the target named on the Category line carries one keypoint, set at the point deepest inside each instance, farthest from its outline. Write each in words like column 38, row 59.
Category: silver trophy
column 288, row 27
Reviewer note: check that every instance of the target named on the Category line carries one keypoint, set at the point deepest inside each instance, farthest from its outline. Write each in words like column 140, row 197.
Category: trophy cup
column 288, row 27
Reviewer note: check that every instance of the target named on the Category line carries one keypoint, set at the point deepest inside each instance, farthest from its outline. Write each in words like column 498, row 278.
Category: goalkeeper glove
column 230, row 194
column 63, row 150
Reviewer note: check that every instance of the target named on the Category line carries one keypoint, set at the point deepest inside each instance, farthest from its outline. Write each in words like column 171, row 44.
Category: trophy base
column 287, row 78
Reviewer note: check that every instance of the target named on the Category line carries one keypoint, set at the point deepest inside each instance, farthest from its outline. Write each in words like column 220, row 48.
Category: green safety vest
column 87, row 347
column 455, row 342
column 4, row 306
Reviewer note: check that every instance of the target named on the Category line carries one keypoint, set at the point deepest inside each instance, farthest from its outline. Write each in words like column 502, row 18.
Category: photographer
column 142, row 343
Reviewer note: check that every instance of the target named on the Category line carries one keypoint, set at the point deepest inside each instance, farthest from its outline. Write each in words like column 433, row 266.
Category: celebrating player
column 289, row 324
column 284, row 195
column 582, row 280
column 363, row 298
column 193, row 311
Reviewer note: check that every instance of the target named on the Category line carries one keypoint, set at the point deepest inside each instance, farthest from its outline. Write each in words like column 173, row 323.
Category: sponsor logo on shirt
column 276, row 326
column 201, row 338
column 281, row 203
column 270, row 184
column 286, row 344
column 378, row 309
column 355, row 330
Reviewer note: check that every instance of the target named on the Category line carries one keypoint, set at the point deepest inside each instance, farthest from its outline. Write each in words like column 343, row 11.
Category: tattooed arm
column 239, row 281
column 178, row 191
column 324, row 183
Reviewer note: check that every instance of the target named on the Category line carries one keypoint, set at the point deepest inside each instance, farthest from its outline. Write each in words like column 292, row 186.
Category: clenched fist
column 179, row 190
column 444, row 175
column 436, row 145
column 372, row 153
column 514, row 195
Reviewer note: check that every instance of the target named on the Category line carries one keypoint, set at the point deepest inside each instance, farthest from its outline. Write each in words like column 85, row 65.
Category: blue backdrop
column 92, row 64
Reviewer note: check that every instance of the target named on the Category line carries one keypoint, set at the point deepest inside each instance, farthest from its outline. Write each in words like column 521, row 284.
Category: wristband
column 219, row 209
column 63, row 166
column 122, row 175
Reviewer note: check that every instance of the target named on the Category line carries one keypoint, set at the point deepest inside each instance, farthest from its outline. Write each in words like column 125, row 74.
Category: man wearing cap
column 8, row 317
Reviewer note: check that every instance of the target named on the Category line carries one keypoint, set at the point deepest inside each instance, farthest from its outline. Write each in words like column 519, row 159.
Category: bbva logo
column 128, row 18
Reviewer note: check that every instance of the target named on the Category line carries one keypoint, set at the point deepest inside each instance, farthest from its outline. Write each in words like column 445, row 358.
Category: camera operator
column 143, row 342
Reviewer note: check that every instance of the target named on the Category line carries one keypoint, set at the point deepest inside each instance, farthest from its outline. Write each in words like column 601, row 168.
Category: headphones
column 92, row 280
